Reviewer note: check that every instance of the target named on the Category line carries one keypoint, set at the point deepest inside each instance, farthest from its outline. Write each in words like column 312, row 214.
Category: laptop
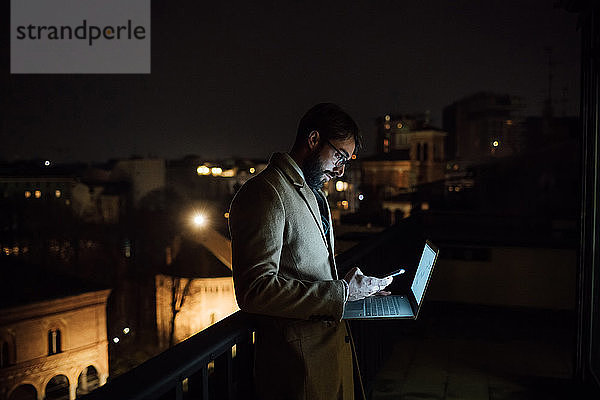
column 397, row 306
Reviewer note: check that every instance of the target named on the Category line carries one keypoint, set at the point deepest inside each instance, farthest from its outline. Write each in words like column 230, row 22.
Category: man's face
column 326, row 161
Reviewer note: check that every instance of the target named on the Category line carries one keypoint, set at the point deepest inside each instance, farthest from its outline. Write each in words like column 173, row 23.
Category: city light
column 38, row 194
column 361, row 197
column 27, row 194
column 387, row 117
column 345, row 204
column 387, row 126
column 252, row 170
column 399, row 125
column 57, row 193
column 47, row 163
column 340, row 186
column 226, row 215
column 126, row 330
column 116, row 339
column 353, row 156
column 495, row 143
column 199, row 220
column 216, row 171
column 203, row 170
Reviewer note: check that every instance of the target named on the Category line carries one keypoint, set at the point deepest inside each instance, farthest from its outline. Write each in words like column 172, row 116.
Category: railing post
column 222, row 377
column 244, row 368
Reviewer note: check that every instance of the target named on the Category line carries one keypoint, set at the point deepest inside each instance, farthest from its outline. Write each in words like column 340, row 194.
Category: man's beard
column 313, row 171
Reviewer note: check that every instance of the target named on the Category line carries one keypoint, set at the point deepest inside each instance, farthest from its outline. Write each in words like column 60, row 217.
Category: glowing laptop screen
column 423, row 271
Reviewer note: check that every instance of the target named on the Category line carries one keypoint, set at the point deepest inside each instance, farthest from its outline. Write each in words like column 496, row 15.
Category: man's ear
column 313, row 139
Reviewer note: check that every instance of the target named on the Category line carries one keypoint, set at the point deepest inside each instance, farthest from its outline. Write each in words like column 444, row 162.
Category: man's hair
column 331, row 122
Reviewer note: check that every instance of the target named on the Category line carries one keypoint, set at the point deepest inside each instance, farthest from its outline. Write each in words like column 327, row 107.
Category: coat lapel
column 311, row 202
column 287, row 165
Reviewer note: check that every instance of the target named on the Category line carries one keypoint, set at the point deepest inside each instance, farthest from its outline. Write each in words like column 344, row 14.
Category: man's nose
column 339, row 171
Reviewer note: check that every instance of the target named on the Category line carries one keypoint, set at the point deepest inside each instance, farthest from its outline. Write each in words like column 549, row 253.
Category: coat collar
column 288, row 166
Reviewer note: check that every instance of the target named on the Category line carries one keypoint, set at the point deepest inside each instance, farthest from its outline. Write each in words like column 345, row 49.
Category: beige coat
column 284, row 270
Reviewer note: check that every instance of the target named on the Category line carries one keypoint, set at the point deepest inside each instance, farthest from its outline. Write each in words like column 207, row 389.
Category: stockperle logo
column 80, row 36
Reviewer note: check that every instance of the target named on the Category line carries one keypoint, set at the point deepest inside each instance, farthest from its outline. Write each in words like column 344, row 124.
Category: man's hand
column 361, row 286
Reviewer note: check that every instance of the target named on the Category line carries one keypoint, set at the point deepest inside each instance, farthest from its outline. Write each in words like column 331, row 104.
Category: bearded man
column 284, row 266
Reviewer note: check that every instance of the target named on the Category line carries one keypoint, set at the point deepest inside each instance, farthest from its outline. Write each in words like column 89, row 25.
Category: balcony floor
column 472, row 353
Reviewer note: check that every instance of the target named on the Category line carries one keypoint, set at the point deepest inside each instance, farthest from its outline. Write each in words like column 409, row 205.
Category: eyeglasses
column 342, row 159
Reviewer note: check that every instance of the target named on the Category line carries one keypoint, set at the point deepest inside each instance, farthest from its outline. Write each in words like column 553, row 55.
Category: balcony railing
column 217, row 362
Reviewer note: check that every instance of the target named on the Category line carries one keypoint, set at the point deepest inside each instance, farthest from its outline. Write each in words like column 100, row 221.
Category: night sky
column 233, row 78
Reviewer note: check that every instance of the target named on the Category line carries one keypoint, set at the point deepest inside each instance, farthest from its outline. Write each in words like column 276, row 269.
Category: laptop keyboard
column 378, row 306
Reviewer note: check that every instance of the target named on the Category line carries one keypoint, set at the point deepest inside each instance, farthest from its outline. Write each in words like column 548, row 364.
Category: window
column 4, row 362
column 54, row 342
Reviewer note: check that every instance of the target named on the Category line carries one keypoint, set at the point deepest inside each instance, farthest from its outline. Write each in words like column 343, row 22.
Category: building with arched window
column 55, row 348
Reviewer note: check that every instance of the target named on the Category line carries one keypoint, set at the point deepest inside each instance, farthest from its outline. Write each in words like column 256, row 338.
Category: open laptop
column 395, row 306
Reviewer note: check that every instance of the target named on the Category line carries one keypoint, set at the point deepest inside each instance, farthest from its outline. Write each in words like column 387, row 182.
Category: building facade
column 54, row 349
column 485, row 125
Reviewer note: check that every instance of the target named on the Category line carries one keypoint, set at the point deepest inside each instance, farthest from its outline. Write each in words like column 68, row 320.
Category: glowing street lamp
column 199, row 220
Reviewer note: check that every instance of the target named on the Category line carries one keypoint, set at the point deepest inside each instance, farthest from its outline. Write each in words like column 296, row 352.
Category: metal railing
column 217, row 363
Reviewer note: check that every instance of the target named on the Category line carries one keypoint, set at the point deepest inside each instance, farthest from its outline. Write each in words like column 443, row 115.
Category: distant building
column 195, row 289
column 145, row 174
column 196, row 178
column 200, row 302
column 410, row 154
column 54, row 348
column 484, row 125
column 344, row 194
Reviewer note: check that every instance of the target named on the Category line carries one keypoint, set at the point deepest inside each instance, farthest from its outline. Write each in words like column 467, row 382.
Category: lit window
column 451, row 188
column 54, row 342
column 6, row 251
column 399, row 125
column 340, row 186
column 387, row 117
column 425, row 206
column 387, row 126
column 203, row 170
column 57, row 193
column 509, row 122
column 27, row 194
column 38, row 194
column 126, row 330
column 226, row 215
column 216, row 171
column 345, row 204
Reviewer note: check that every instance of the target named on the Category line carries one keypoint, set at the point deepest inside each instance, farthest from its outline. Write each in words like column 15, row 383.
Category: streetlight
column 199, row 220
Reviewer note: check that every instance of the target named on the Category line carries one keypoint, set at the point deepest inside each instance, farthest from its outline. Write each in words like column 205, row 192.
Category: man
column 284, row 267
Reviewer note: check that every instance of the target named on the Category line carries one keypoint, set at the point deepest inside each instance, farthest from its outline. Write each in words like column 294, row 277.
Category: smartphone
column 395, row 273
